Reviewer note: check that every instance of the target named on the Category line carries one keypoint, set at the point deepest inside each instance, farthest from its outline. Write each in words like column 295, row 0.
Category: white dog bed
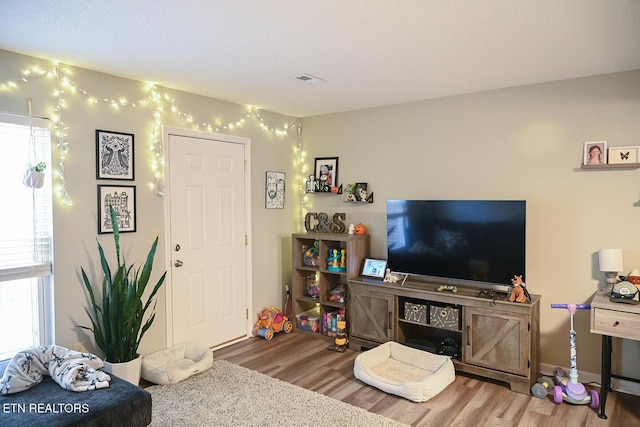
column 176, row 363
column 404, row 371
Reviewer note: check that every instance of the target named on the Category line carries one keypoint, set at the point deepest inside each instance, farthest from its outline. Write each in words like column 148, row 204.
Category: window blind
column 26, row 247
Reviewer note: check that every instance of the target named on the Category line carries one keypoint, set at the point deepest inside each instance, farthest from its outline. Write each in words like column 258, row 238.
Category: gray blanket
column 71, row 369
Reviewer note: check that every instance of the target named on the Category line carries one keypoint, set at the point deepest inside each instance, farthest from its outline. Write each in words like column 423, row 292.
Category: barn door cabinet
column 495, row 338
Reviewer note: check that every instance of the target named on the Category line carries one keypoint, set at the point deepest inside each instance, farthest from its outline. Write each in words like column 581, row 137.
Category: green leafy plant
column 40, row 167
column 117, row 323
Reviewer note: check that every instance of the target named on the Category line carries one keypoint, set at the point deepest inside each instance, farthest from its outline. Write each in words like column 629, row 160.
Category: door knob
column 178, row 263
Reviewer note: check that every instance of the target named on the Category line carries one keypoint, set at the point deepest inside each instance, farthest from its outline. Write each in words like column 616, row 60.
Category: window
column 26, row 247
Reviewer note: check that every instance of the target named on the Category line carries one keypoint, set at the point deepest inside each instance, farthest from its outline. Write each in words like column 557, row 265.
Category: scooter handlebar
column 575, row 306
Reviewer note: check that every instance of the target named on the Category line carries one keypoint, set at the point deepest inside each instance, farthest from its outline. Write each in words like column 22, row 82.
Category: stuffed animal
column 518, row 292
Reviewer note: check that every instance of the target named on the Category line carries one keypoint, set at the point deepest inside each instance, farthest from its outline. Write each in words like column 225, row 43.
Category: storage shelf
column 426, row 325
column 357, row 249
column 335, row 304
column 308, row 299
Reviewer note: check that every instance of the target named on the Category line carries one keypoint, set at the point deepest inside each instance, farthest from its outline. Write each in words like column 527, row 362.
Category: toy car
column 270, row 321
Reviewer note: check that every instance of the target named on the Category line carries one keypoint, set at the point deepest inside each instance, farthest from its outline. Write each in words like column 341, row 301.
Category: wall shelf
column 612, row 166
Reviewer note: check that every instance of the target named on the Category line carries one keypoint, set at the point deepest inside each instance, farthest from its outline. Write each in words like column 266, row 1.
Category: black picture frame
column 123, row 200
column 358, row 194
column 115, row 155
column 274, row 190
column 325, row 173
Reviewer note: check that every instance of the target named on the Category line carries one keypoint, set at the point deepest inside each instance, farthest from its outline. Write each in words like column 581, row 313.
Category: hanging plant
column 34, row 175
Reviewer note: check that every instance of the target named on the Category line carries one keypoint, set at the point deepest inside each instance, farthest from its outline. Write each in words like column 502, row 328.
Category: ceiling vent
column 308, row 79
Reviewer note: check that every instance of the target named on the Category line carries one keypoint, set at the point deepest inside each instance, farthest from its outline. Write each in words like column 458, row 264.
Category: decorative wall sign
column 325, row 174
column 114, row 155
column 274, row 190
column 323, row 224
column 123, row 200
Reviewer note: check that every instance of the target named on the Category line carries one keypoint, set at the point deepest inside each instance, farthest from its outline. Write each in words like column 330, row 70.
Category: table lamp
column 610, row 263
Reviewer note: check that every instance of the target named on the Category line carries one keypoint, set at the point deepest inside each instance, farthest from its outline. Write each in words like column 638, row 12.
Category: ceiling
column 368, row 52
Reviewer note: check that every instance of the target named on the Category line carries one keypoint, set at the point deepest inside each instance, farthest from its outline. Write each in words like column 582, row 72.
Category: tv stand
column 496, row 339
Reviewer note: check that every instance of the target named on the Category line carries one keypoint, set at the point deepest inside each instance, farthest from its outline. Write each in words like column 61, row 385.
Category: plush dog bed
column 404, row 371
column 176, row 363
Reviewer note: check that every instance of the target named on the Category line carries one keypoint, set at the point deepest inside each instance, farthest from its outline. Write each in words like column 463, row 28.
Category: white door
column 208, row 258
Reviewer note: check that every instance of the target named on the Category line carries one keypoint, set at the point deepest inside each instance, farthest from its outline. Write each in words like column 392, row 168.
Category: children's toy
column 568, row 388
column 271, row 320
column 541, row 388
column 311, row 256
column 337, row 260
column 519, row 291
column 341, row 340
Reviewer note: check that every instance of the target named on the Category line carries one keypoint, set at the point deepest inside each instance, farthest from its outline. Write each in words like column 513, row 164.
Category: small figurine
column 519, row 291
column 390, row 277
column 311, row 184
column 343, row 259
column 352, row 229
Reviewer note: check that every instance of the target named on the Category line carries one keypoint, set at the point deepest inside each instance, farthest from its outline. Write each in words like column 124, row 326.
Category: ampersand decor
column 323, row 224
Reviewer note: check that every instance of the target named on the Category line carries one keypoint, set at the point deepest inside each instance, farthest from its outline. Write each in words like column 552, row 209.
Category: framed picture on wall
column 621, row 155
column 114, row 155
column 326, row 173
column 274, row 190
column 123, row 200
column 595, row 153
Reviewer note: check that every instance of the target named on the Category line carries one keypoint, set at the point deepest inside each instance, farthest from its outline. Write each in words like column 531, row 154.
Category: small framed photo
column 374, row 268
column 123, row 200
column 326, row 173
column 274, row 190
column 621, row 155
column 114, row 155
column 595, row 153
column 361, row 191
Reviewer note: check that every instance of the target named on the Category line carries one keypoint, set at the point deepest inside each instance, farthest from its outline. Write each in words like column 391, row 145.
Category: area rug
column 230, row 395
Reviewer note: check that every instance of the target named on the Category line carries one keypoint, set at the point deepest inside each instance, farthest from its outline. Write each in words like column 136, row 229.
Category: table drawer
column 615, row 323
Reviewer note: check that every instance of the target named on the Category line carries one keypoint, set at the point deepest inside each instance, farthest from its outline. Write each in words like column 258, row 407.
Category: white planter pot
column 33, row 179
column 129, row 371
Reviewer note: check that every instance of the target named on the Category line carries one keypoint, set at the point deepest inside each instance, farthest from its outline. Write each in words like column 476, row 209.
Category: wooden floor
column 303, row 359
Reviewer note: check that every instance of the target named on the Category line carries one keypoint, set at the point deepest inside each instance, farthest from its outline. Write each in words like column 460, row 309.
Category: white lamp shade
column 610, row 259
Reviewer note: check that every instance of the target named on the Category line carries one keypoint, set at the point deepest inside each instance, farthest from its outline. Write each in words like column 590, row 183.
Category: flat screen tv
column 458, row 242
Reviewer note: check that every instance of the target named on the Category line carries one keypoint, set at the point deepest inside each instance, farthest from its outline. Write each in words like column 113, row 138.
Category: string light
column 64, row 84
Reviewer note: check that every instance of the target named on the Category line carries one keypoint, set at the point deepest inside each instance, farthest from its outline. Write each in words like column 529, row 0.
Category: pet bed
column 176, row 363
column 404, row 371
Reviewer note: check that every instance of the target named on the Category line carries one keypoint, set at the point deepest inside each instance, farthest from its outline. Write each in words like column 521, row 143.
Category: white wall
column 519, row 143
column 75, row 226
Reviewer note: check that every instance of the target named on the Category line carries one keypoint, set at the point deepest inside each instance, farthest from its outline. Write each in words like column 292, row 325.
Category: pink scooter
column 568, row 388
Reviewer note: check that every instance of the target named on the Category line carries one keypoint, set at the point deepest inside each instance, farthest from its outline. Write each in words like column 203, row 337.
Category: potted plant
column 117, row 322
column 34, row 175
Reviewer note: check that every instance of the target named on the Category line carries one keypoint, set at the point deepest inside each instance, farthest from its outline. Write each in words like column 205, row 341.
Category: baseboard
column 622, row 386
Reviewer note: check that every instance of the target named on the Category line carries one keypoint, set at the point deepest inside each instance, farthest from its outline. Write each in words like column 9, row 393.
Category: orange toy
column 518, row 292
column 271, row 320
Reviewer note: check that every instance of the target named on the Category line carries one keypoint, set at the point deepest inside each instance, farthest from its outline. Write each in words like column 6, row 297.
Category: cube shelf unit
column 357, row 249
